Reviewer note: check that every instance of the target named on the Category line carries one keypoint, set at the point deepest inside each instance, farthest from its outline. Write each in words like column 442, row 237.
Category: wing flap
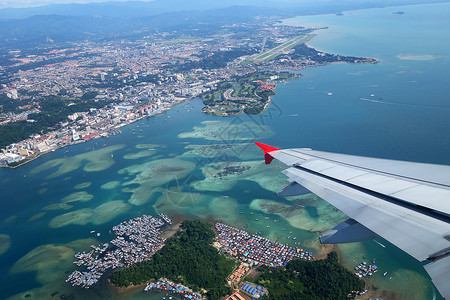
column 294, row 189
column 415, row 233
column 406, row 203
column 347, row 232
column 438, row 272
column 414, row 191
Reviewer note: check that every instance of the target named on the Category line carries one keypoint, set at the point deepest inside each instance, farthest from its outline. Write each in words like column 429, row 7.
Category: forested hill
column 187, row 258
column 308, row 280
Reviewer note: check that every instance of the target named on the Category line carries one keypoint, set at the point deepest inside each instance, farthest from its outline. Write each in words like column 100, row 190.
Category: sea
column 191, row 165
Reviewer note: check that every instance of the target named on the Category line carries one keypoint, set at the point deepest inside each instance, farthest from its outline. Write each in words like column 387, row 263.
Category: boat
column 385, row 273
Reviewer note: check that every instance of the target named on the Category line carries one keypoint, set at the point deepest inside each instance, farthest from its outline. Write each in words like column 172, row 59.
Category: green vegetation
column 320, row 279
column 187, row 258
column 302, row 51
column 248, row 94
column 215, row 60
column 53, row 111
column 8, row 105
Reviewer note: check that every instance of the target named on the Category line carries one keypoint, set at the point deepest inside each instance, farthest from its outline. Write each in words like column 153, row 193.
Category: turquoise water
column 406, row 118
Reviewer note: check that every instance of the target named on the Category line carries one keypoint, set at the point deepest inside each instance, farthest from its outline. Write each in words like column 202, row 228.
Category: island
column 202, row 261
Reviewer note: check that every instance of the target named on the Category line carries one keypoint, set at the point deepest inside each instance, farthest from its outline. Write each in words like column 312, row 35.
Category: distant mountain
column 30, row 26
column 38, row 29
column 57, row 28
column 122, row 10
column 138, row 9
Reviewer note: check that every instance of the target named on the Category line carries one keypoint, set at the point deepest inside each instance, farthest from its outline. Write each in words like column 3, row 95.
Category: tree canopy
column 320, row 279
column 186, row 258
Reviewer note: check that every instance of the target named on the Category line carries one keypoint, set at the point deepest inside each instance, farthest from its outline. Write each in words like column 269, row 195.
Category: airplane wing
column 406, row 203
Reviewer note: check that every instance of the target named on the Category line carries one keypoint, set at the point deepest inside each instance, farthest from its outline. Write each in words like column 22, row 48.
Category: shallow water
column 199, row 166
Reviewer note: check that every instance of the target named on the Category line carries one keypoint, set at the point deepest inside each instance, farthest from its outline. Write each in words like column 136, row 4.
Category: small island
column 204, row 262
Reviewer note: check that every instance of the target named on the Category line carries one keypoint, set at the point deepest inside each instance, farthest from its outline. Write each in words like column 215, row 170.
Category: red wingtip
column 267, row 149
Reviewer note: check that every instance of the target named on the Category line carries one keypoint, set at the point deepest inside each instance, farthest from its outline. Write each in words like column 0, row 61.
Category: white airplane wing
column 406, row 203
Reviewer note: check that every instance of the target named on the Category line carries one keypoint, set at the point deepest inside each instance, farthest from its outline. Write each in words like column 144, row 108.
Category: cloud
column 36, row 3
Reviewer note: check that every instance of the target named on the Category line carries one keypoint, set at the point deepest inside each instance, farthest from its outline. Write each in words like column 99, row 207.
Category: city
column 123, row 81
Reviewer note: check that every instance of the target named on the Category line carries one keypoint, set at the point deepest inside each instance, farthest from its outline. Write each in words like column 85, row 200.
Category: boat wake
column 405, row 104
column 380, row 244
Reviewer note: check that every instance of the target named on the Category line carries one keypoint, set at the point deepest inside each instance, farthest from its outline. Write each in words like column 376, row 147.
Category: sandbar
column 78, row 217
column 5, row 243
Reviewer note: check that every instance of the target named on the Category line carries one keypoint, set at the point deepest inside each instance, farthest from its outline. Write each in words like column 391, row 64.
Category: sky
column 34, row 3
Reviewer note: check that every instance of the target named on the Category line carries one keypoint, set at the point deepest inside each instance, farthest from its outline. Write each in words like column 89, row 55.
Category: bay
column 398, row 108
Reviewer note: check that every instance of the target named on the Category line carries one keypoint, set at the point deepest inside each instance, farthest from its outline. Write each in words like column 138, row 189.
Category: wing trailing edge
column 406, row 203
column 347, row 232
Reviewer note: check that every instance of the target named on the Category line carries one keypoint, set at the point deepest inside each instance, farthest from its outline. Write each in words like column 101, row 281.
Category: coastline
column 372, row 290
column 104, row 134
column 168, row 232
column 181, row 100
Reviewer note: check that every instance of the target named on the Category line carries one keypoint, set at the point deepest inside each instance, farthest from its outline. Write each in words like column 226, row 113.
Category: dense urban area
column 58, row 94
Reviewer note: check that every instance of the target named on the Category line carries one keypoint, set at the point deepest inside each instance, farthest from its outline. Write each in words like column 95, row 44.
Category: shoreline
column 181, row 100
column 104, row 134
column 372, row 290
column 325, row 249
column 168, row 232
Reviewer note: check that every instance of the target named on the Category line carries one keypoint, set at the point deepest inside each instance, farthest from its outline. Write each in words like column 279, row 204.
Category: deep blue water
column 398, row 108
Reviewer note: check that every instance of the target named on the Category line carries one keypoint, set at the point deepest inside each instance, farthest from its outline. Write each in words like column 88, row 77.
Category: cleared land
column 281, row 49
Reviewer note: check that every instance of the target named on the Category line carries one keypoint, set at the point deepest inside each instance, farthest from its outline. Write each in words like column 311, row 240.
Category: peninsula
column 59, row 94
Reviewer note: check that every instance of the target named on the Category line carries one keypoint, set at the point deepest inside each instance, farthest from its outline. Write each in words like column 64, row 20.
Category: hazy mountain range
column 62, row 22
